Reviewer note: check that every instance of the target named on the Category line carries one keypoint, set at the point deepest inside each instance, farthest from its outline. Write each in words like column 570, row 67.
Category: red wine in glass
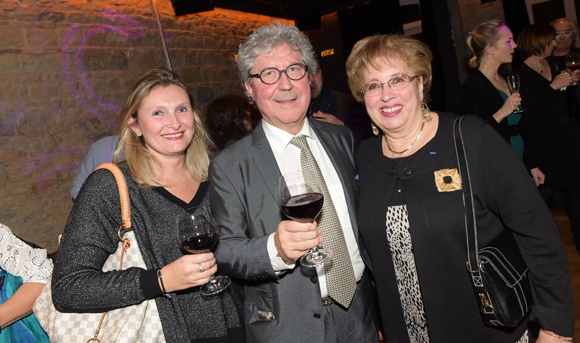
column 200, row 244
column 304, row 207
column 572, row 62
column 301, row 199
column 198, row 233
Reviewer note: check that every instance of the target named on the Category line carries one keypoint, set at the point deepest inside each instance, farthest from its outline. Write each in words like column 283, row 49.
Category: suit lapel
column 265, row 161
column 340, row 160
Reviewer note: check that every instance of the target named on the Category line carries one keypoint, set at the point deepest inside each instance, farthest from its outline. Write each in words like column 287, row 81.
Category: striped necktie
column 340, row 280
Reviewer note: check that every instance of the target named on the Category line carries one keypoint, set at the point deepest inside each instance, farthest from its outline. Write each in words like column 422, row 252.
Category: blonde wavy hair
column 143, row 166
column 371, row 51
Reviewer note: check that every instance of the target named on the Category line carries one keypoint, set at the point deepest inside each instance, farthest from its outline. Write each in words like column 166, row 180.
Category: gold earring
column 375, row 129
column 425, row 111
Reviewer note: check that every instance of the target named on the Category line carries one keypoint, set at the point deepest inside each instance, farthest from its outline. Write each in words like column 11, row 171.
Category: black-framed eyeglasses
column 396, row 83
column 270, row 76
column 566, row 33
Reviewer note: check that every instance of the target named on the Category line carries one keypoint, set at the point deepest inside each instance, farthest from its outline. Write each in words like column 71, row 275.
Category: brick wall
column 65, row 66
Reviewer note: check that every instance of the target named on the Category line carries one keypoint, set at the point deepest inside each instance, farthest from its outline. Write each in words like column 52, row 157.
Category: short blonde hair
column 142, row 164
column 370, row 51
column 481, row 37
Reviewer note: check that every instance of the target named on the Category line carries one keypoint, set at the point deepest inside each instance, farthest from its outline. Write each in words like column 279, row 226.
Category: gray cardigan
column 90, row 237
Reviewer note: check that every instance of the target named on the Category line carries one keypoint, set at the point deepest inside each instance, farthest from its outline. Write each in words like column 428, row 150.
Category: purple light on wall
column 133, row 31
column 50, row 173
column 9, row 125
column 44, row 157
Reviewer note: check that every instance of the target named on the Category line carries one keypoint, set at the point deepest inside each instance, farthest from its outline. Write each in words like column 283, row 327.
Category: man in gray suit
column 285, row 301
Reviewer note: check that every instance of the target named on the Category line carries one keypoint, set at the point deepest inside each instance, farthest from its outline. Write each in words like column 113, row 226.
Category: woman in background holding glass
column 551, row 136
column 486, row 94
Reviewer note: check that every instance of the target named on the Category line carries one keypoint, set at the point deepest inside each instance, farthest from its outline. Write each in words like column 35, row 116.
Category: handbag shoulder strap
column 123, row 192
column 470, row 222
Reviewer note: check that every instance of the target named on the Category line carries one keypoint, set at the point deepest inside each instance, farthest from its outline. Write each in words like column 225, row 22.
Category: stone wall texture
column 65, row 66
column 473, row 13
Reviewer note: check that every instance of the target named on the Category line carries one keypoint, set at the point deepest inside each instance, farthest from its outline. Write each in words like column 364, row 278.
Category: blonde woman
column 166, row 163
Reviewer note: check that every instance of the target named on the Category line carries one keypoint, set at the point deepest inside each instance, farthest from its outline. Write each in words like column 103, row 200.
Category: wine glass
column 198, row 233
column 572, row 62
column 513, row 82
column 301, row 200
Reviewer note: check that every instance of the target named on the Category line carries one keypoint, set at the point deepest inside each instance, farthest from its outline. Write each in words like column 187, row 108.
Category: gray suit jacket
column 244, row 193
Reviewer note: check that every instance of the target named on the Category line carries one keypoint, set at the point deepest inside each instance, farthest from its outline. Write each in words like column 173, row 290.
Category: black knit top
column 434, row 235
column 90, row 236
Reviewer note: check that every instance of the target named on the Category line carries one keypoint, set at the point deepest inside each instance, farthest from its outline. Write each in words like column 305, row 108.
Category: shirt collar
column 279, row 139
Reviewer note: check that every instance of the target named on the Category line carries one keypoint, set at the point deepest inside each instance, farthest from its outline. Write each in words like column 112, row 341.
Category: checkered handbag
column 137, row 323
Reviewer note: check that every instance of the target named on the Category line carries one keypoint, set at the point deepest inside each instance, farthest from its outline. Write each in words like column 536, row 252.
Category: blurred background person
column 566, row 33
column 550, row 135
column 24, row 270
column 413, row 223
column 165, row 167
column 336, row 107
column 230, row 118
column 99, row 152
column 486, row 94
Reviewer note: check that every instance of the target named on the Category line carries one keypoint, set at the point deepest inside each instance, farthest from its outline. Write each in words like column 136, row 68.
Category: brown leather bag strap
column 123, row 192
column 126, row 218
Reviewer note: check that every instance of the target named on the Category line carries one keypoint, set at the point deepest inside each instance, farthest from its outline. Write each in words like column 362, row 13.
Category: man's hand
column 294, row 239
column 329, row 118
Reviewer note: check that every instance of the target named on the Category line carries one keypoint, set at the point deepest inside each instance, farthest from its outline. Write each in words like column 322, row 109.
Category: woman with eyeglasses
column 411, row 215
column 486, row 94
column 553, row 139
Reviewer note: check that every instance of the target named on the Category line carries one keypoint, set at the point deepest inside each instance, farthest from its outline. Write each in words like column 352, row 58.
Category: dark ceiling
column 287, row 9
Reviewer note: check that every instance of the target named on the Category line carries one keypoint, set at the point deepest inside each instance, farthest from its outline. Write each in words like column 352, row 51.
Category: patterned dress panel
column 401, row 246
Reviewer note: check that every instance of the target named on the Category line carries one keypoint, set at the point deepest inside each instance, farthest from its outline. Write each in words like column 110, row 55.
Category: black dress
column 551, row 137
column 478, row 96
column 413, row 232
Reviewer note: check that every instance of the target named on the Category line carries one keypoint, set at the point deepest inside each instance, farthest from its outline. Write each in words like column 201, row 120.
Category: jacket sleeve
column 89, row 238
column 240, row 253
column 507, row 191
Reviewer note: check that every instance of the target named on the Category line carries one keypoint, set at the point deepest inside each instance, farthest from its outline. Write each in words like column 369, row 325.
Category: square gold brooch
column 447, row 180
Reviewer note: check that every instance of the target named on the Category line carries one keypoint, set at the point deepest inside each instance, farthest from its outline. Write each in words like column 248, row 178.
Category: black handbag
column 498, row 272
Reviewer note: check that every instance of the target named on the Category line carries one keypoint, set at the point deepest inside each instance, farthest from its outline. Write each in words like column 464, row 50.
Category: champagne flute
column 301, row 200
column 513, row 82
column 572, row 62
column 198, row 234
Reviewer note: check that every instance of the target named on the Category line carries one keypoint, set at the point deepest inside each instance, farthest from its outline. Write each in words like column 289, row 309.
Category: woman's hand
column 575, row 75
column 511, row 104
column 538, row 176
column 185, row 273
column 562, row 80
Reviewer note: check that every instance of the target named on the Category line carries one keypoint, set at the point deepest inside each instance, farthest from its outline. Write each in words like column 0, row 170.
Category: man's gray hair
column 267, row 38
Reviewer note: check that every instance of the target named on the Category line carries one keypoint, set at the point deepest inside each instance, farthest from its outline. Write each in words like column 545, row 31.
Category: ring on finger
column 201, row 269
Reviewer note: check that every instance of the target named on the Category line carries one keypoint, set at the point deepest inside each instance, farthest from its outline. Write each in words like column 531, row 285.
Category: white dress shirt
column 288, row 159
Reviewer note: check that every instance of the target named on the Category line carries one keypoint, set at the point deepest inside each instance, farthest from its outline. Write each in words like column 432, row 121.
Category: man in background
column 337, row 108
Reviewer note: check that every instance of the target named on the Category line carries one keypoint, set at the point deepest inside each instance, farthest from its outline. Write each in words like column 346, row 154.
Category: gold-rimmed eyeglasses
column 270, row 76
column 396, row 83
